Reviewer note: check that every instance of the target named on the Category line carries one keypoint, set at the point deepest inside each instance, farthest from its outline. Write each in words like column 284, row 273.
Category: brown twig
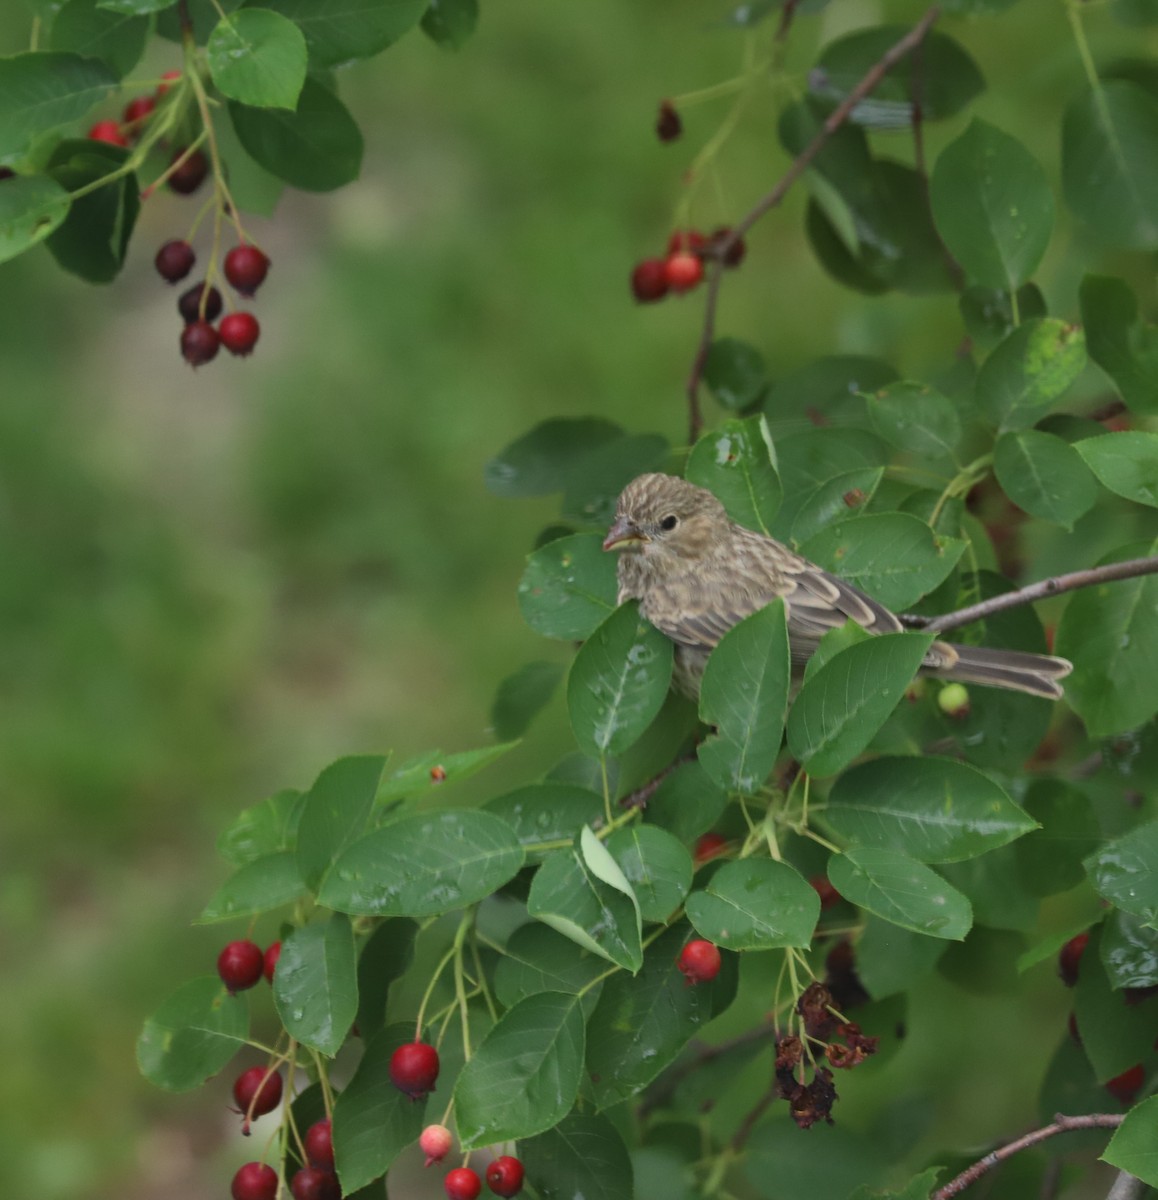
column 1061, row 1124
column 1054, row 586
column 751, row 1118
column 797, row 167
column 642, row 794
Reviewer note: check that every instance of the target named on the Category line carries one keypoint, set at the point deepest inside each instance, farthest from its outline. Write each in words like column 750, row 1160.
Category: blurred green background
column 213, row 583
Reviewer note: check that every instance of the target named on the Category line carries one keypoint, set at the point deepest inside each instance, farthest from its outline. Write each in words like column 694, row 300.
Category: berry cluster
column 683, row 265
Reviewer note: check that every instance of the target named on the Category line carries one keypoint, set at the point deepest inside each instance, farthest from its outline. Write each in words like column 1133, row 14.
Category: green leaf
column 337, row 31
column 950, row 78
column 258, row 57
column 993, row 206
column 43, row 90
column 93, row 239
column 1132, row 1148
column 568, row 587
column 901, row 890
column 260, row 885
column 1110, row 634
column 1049, row 859
column 136, row 7
column 995, row 890
column 1125, row 872
column 744, row 695
column 642, row 1022
column 737, row 463
column 1129, row 951
column 192, row 1035
column 689, row 802
column 834, row 501
column 538, row 959
column 424, row 864
column 522, row 696
column 656, row 865
column 1044, row 475
column 541, row 461
column 890, row 959
column 916, row 418
column 547, row 812
column 988, row 312
column 524, row 1077
column 373, row 1121
column 385, row 957
column 569, row 897
column 1114, row 1035
column 335, row 813
column 735, row 373
column 262, row 829
column 841, row 708
column 434, row 769
column 932, row 809
column 450, row 23
column 920, row 1187
column 1109, row 170
column 1126, row 463
column 31, row 207
column 602, row 472
column 1124, row 346
column 315, row 986
column 582, row 1157
column 317, row 147
column 755, row 904
column 824, row 385
column 618, row 682
column 1029, row 370
column 117, row 39
column 894, row 557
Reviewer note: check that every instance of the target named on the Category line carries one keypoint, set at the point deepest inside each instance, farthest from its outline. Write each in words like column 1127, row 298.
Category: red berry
column 1072, row 1026
column 1126, row 1086
column 311, row 1183
column 414, row 1068
column 435, row 1143
column 189, row 176
column 824, row 889
column 735, row 255
column 108, row 131
column 189, row 305
column 505, row 1176
column 246, row 268
column 668, row 125
column 258, row 1087
column 649, row 280
column 199, row 343
column 683, row 271
column 1069, row 957
column 7, row 173
column 462, row 1184
column 138, row 111
column 239, row 332
column 320, row 1144
column 708, row 847
column 239, row 965
column 174, row 260
column 166, row 79
column 272, row 954
column 690, row 240
column 254, row 1181
column 699, row 961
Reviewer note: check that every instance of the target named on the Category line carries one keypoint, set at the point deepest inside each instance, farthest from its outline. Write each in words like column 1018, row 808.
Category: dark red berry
column 505, row 1176
column 683, row 271
column 259, row 1088
column 166, row 79
column 189, row 176
column 189, row 305
column 175, row 260
column 138, row 111
column 7, row 173
column 824, row 889
column 239, row 332
column 199, row 343
column 272, row 954
column 1125, row 1087
column 462, row 1184
column 108, row 131
column 735, row 255
column 649, row 280
column 1072, row 1026
column 699, row 961
column 414, row 1068
column 254, row 1181
column 320, row 1144
column 239, row 965
column 1069, row 957
column 312, row 1183
column 710, row 846
column 245, row 268
column 668, row 125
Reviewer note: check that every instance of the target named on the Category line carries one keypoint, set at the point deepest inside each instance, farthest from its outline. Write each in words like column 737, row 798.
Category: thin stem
column 482, row 980
column 324, row 1080
column 429, row 991
column 606, row 788
column 459, row 986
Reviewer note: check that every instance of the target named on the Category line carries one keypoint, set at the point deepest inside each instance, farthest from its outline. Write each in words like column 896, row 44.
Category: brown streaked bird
column 696, row 573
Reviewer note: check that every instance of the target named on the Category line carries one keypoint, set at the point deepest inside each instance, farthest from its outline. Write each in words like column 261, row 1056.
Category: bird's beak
column 621, row 533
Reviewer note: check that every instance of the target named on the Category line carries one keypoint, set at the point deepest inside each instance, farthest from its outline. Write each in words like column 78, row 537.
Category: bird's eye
column 669, row 522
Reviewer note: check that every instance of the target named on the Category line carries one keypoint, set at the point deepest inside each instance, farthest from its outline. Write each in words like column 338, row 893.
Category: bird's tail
column 1018, row 670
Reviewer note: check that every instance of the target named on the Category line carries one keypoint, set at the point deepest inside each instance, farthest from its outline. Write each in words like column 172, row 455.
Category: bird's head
column 666, row 519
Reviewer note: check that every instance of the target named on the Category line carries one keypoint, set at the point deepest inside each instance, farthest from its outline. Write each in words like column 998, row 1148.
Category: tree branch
column 1129, row 569
column 1127, row 1187
column 1061, row 1124
column 798, row 166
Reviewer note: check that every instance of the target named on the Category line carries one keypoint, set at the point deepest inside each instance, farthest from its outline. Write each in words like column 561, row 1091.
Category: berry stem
column 324, row 1080
column 459, row 985
column 429, row 991
column 482, row 982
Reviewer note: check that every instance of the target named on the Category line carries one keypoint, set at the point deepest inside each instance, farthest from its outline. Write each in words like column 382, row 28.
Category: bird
column 696, row 573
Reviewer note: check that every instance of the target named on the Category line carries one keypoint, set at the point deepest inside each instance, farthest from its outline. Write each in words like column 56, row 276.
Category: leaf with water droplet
column 315, row 987
column 755, row 904
column 192, row 1036
column 737, row 463
column 1125, row 871
column 257, row 887
column 568, row 587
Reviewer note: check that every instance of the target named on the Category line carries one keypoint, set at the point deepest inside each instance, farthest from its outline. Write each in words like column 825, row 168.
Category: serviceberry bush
column 657, row 969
